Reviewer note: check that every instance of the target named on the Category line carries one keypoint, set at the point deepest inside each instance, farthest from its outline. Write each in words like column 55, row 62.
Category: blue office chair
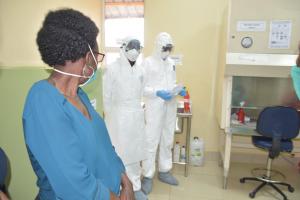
column 3, row 171
column 278, row 125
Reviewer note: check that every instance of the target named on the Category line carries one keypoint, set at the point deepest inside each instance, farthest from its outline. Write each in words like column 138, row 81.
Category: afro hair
column 65, row 35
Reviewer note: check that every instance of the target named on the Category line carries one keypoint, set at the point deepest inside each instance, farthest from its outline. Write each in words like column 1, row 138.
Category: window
column 122, row 18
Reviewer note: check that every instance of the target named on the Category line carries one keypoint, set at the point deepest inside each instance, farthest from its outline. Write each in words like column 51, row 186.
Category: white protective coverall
column 124, row 115
column 160, row 114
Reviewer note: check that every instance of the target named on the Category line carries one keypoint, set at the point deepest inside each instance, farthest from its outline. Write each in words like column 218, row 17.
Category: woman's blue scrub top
column 72, row 156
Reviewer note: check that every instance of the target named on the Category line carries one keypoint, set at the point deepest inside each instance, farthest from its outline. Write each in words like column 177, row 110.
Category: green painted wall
column 14, row 85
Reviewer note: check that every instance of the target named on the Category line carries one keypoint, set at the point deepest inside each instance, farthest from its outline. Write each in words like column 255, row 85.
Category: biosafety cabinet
column 259, row 44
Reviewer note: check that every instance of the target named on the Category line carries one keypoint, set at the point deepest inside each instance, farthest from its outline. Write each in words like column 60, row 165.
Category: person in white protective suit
column 160, row 104
column 123, row 84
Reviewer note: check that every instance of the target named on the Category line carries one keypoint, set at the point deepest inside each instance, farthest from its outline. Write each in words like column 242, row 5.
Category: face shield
column 164, row 45
column 133, row 44
column 166, row 51
column 132, row 49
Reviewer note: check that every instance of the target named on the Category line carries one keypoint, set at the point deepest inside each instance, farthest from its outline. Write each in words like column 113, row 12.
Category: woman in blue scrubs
column 67, row 141
column 295, row 74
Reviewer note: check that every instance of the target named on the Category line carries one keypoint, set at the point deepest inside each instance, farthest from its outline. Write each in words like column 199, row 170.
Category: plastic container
column 182, row 154
column 197, row 152
column 176, row 152
column 180, row 106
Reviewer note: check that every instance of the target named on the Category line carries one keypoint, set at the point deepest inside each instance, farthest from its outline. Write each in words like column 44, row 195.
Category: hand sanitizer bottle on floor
column 197, row 152
column 182, row 154
column 176, row 152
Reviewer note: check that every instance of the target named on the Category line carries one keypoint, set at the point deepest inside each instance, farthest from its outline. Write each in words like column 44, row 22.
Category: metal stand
column 188, row 118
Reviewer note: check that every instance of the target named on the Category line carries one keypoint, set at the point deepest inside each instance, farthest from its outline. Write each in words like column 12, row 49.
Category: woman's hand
column 112, row 196
column 3, row 196
column 127, row 189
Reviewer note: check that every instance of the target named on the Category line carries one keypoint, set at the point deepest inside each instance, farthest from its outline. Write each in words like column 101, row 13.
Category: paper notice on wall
column 251, row 26
column 280, row 34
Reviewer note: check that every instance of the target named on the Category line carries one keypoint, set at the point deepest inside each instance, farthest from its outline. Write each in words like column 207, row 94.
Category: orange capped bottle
column 186, row 100
column 241, row 113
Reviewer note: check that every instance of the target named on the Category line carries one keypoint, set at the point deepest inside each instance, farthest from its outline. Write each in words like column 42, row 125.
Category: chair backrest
column 278, row 121
column 3, row 167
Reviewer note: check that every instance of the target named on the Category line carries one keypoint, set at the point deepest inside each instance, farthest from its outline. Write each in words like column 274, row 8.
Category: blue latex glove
column 182, row 92
column 295, row 73
column 164, row 95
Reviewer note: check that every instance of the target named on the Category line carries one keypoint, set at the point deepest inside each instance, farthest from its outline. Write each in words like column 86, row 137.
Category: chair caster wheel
column 291, row 189
column 242, row 180
column 252, row 195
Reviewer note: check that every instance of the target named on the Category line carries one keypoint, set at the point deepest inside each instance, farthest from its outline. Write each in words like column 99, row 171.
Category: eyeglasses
column 98, row 57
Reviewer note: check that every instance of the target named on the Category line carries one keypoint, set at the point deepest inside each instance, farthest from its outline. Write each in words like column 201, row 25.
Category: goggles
column 168, row 47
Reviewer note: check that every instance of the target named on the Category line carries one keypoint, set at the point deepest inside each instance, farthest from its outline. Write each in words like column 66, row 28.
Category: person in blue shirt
column 3, row 175
column 295, row 74
column 67, row 141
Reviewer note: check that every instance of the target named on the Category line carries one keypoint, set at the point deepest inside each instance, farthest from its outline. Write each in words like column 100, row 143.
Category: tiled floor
column 205, row 183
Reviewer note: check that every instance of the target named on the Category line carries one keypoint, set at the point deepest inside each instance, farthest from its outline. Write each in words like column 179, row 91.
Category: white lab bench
column 259, row 87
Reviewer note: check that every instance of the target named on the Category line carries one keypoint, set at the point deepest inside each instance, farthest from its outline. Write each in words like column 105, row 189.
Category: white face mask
column 79, row 76
column 90, row 78
column 132, row 55
column 164, row 55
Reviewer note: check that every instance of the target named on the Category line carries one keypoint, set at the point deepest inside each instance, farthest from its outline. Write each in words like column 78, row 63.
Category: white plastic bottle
column 176, row 152
column 197, row 152
column 182, row 154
